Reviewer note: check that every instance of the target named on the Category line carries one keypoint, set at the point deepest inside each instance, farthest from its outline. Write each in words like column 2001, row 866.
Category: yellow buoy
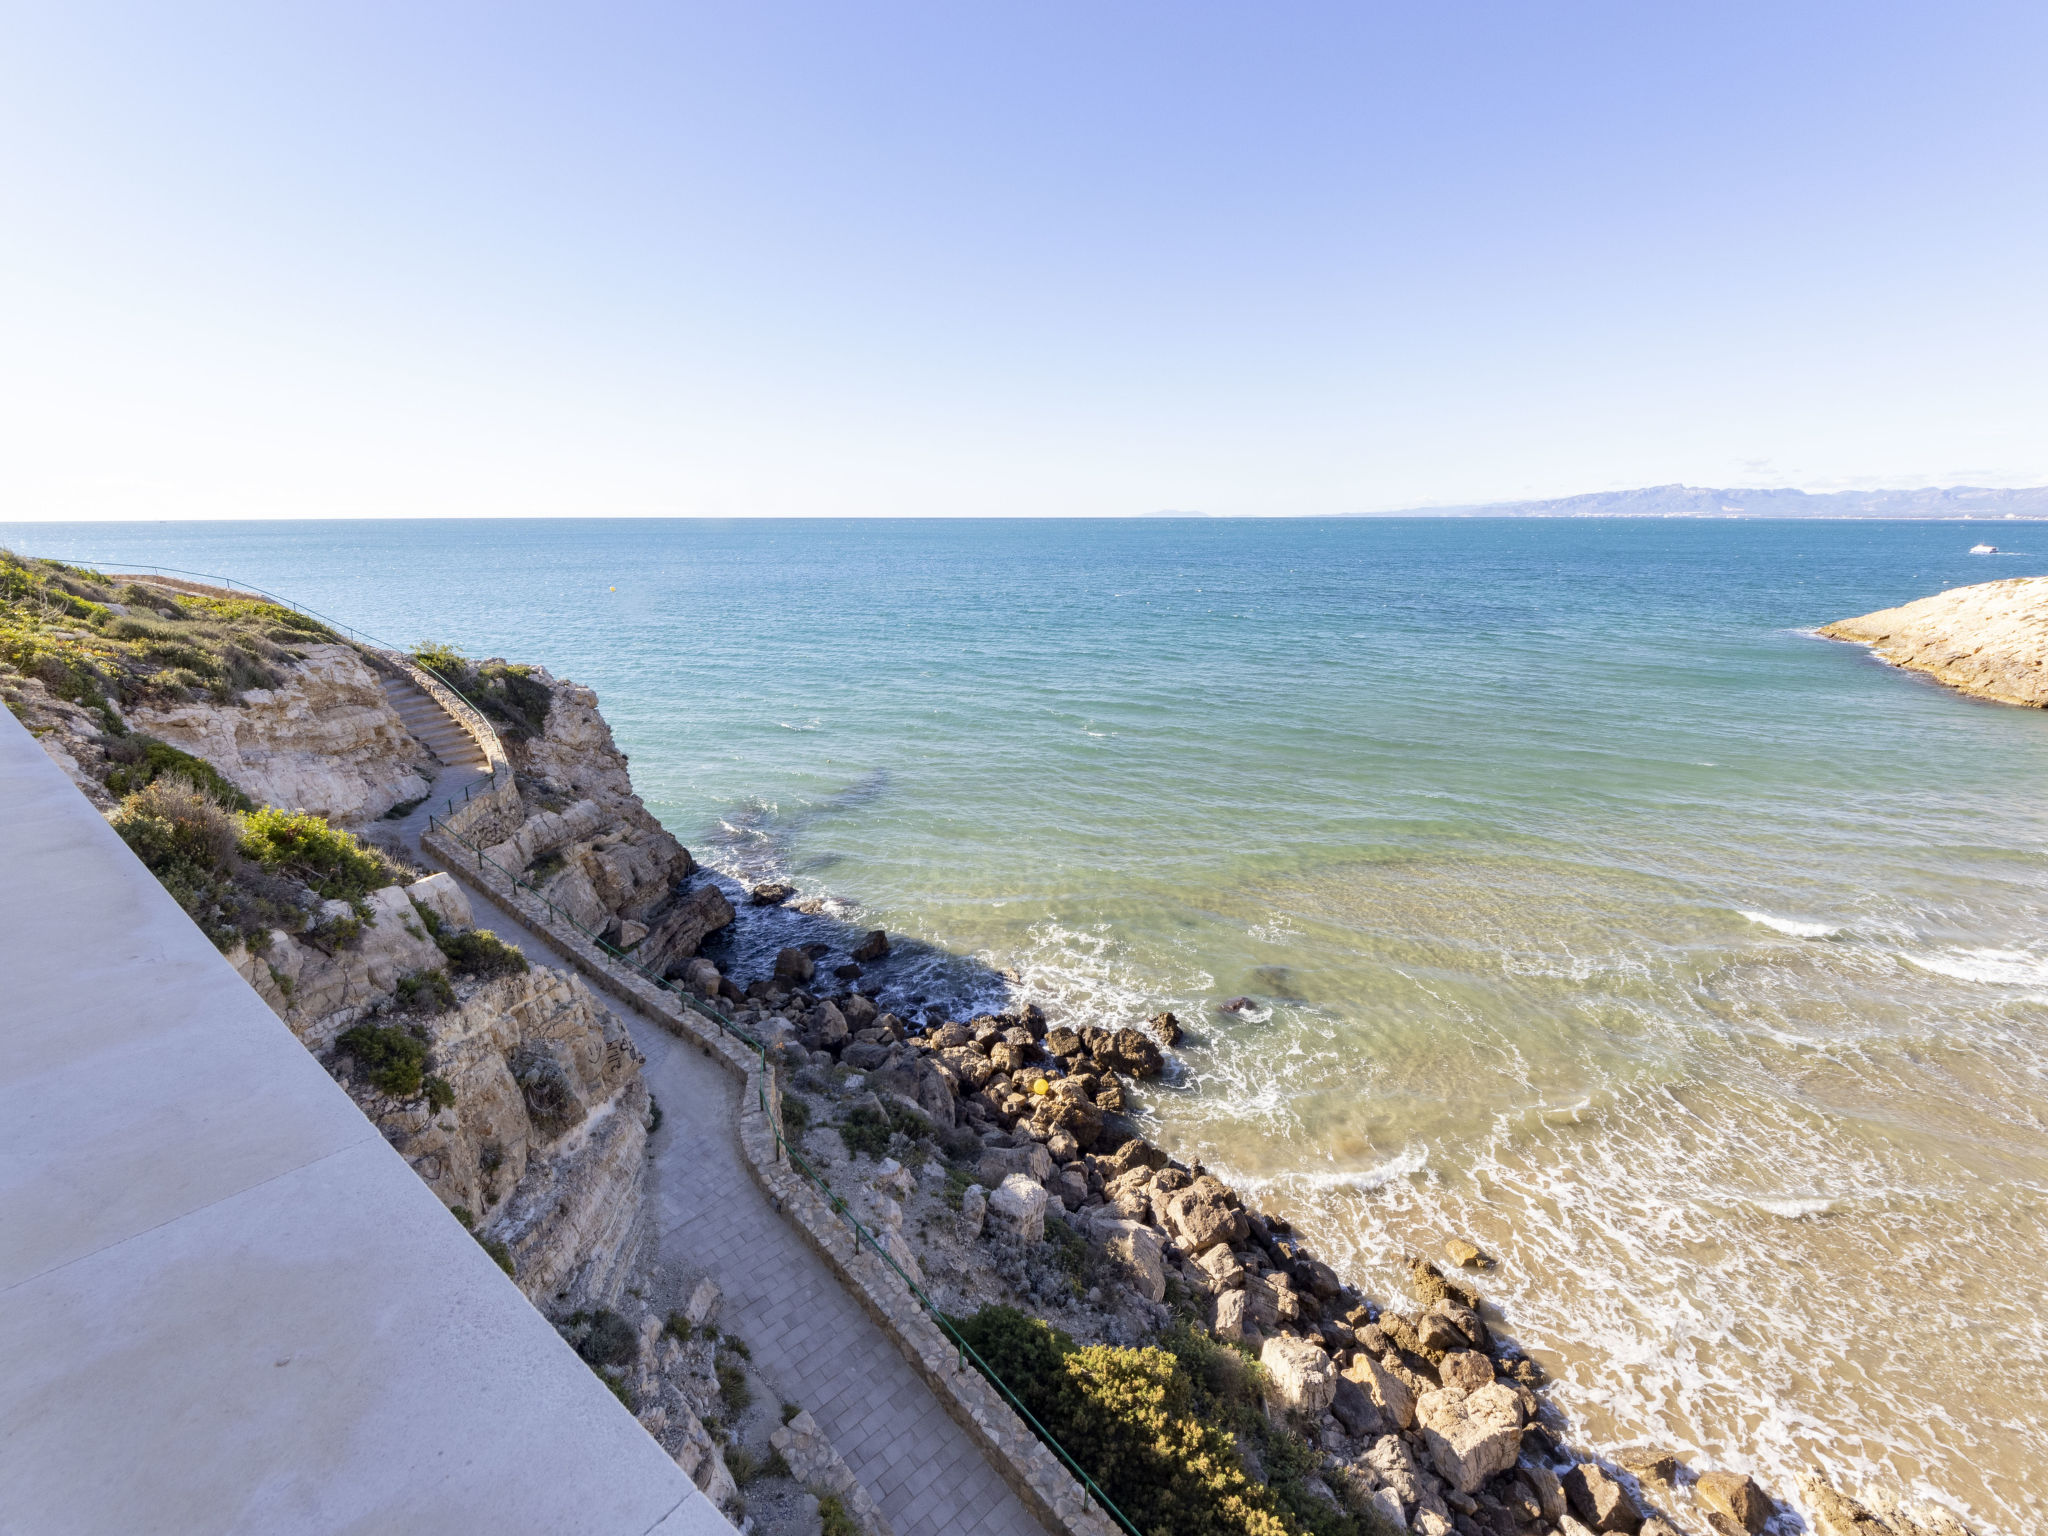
column 1041, row 1088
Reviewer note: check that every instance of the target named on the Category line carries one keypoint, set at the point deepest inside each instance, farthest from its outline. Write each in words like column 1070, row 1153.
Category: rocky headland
column 1218, row 1373
column 1989, row 640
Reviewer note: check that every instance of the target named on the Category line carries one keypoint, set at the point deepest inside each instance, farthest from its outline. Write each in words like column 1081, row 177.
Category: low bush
column 833, row 1520
column 480, row 954
column 604, row 1338
column 732, row 1386
column 394, row 1060
column 678, row 1327
column 139, row 761
column 325, row 859
column 866, row 1129
column 428, row 992
column 796, row 1114
column 1153, row 1427
column 440, row 1094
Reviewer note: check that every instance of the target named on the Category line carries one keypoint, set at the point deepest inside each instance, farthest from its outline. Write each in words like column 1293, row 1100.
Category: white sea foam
column 1792, row 927
column 1999, row 967
column 1796, row 1207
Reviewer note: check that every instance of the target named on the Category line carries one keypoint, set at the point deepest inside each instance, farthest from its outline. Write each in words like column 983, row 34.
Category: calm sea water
column 1590, row 906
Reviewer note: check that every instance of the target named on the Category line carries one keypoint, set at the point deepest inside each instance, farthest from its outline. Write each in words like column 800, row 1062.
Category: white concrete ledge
column 226, row 1305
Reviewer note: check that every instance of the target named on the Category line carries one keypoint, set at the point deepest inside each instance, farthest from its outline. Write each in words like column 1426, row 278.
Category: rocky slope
column 1989, row 640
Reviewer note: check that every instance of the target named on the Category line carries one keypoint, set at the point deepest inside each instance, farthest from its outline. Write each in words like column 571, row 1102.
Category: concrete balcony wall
column 226, row 1305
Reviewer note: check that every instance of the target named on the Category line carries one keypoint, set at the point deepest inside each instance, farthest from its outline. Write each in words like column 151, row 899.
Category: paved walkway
column 810, row 1340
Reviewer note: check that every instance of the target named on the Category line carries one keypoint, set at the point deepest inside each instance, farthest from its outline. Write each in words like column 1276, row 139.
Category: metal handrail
column 731, row 1027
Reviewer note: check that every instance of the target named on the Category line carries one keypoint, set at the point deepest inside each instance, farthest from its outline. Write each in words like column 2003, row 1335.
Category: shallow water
column 1591, row 907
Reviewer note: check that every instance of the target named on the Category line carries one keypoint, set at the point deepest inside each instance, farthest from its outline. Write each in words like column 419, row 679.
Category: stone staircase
column 442, row 732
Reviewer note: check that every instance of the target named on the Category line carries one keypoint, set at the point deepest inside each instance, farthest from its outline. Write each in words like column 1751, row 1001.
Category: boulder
column 863, row 1055
column 1465, row 1254
column 1062, row 1042
column 794, row 968
column 1130, row 1051
column 1201, row 1216
column 860, row 1012
column 1135, row 1153
column 440, row 895
column 1359, row 1414
column 1735, row 1496
column 1167, row 1028
column 1138, row 1250
column 1601, row 1502
column 826, row 1026
column 872, row 948
column 998, row 1163
column 1220, row 1269
column 1472, row 1435
column 973, row 1211
column 1466, row 1368
column 703, row 1303
column 771, row 893
column 678, row 931
column 1299, row 1376
column 1546, row 1489
column 1017, row 1209
column 702, row 975
column 1231, row 1322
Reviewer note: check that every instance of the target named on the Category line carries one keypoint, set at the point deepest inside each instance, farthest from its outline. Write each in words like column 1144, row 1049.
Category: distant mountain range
column 1699, row 501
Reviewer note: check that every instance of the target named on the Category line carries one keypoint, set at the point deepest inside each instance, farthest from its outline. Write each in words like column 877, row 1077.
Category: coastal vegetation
column 515, row 700
column 239, row 875
column 107, row 645
column 1160, row 1427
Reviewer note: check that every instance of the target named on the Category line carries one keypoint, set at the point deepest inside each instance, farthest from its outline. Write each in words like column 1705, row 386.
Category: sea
column 1575, row 897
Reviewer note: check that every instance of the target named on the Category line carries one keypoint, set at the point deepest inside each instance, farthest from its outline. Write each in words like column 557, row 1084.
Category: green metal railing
column 861, row 1234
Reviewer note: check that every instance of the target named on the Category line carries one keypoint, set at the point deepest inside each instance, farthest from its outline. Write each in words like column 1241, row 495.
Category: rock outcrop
column 1989, row 640
column 584, row 838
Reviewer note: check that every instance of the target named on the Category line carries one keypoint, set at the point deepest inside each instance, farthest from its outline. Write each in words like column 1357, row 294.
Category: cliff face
column 1989, row 640
column 593, row 849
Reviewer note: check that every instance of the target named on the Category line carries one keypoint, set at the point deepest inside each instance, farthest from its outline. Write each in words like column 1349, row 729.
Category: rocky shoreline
column 1989, row 641
column 997, row 1159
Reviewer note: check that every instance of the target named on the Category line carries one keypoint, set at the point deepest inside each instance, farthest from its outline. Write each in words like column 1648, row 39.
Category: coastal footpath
column 1188, row 1347
column 1989, row 640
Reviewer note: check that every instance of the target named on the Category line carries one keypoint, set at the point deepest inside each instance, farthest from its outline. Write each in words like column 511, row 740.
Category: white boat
column 1983, row 549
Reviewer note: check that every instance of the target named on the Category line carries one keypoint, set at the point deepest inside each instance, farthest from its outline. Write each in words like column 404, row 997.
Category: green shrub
column 394, row 1060
column 428, row 992
column 833, row 1520
column 545, row 868
column 516, row 701
column 496, row 1248
column 868, row 1130
column 481, row 954
column 440, row 1094
column 777, row 1465
column 653, row 1114
column 790, row 1411
column 140, row 761
column 957, row 1182
column 463, row 1214
column 796, row 1115
column 325, row 859
column 604, row 1338
column 1136, row 1422
column 678, row 1327
column 732, row 1386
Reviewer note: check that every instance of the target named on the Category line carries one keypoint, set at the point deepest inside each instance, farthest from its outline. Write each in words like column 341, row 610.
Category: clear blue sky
column 975, row 259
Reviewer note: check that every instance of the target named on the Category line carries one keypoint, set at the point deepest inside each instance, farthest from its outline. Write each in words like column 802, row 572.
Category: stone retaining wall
column 1036, row 1473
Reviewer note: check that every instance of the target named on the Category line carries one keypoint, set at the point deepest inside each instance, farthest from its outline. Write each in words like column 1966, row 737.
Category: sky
column 1006, row 260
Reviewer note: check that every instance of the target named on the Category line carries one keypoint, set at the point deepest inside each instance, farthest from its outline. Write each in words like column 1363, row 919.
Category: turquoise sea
column 1588, row 904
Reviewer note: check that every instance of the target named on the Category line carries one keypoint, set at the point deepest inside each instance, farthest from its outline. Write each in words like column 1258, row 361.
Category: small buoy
column 1041, row 1088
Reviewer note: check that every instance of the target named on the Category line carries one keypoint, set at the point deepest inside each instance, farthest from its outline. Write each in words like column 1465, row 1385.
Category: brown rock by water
column 1601, row 1502
column 1737, row 1497
column 1989, row 640
column 771, row 893
column 872, row 948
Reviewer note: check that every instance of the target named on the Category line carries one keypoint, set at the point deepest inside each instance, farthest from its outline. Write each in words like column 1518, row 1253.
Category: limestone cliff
column 1989, row 640
column 325, row 739
column 584, row 837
